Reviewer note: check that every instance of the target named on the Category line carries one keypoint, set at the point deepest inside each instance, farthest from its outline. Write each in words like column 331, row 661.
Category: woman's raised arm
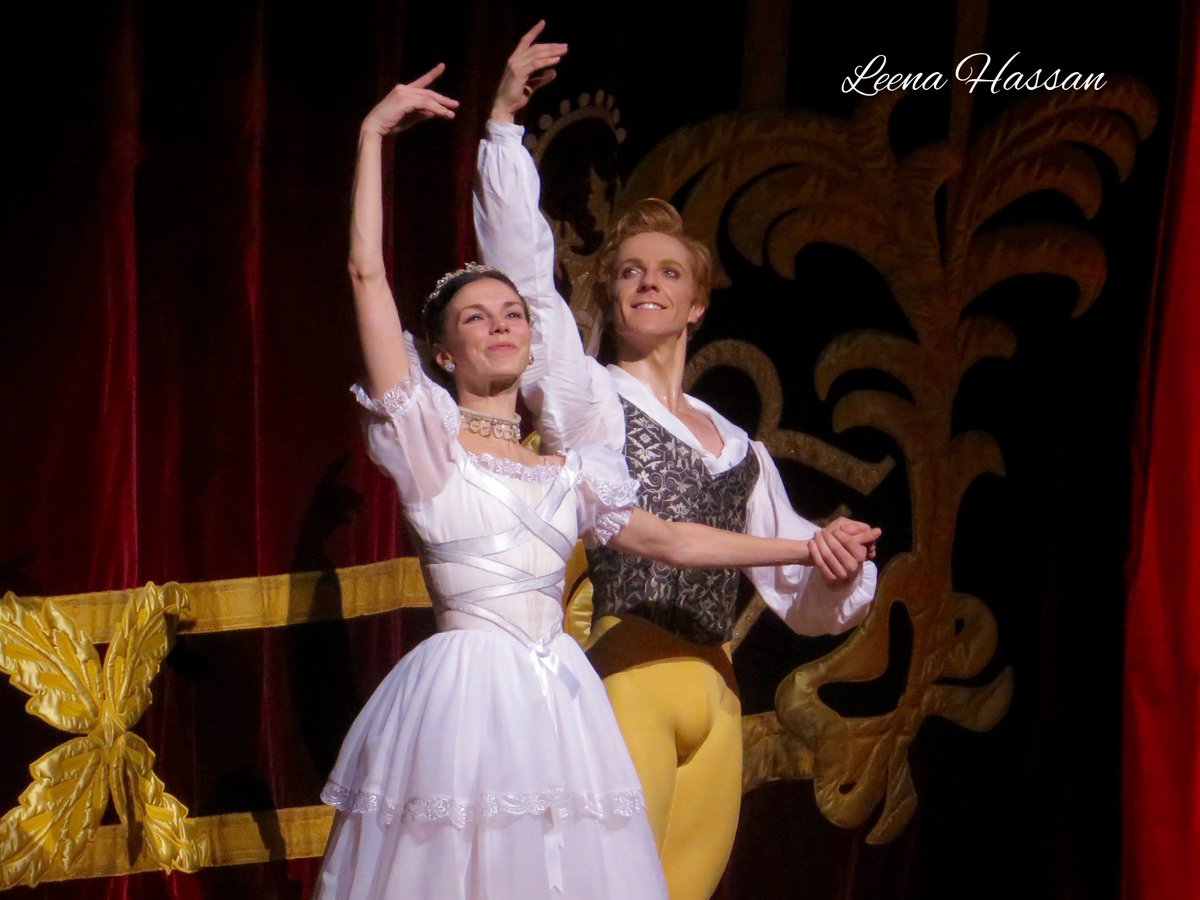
column 379, row 329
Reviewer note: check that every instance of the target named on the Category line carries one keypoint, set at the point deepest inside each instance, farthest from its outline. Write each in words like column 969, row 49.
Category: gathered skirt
column 482, row 769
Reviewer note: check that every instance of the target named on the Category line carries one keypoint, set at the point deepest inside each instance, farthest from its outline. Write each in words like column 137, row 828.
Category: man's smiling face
column 655, row 287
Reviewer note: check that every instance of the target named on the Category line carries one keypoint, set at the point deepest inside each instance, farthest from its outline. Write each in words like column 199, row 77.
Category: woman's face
column 487, row 334
column 654, row 288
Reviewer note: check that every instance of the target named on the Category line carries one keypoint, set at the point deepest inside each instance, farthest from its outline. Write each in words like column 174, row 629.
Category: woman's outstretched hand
column 526, row 70
column 407, row 104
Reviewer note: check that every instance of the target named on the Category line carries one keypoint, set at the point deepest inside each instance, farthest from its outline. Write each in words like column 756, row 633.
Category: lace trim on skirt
column 621, row 804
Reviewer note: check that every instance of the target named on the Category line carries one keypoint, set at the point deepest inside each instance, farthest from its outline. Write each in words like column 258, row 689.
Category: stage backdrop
column 931, row 305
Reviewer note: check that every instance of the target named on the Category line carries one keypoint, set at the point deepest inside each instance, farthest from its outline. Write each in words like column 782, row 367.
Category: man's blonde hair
column 659, row 217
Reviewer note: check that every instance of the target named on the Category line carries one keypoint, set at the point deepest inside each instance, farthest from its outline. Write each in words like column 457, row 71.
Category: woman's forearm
column 689, row 545
column 701, row 547
column 379, row 328
column 380, row 332
column 366, row 213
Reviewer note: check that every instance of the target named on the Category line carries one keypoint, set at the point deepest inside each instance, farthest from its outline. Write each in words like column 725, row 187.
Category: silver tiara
column 472, row 267
column 449, row 276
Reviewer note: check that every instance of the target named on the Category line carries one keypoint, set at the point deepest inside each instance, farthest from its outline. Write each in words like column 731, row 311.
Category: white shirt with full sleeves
column 577, row 401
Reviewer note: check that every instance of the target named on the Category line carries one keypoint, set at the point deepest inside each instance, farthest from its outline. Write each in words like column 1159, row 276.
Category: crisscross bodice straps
column 478, row 552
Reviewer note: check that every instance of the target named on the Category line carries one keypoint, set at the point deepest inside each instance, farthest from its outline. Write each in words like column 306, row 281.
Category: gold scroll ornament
column 778, row 181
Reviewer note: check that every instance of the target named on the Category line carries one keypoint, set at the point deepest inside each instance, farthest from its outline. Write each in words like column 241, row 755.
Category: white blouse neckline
column 536, row 473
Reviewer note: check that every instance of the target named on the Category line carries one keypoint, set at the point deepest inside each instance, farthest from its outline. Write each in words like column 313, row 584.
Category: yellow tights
column 678, row 710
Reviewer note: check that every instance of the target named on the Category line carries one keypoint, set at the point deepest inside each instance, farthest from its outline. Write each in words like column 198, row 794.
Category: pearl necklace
column 485, row 425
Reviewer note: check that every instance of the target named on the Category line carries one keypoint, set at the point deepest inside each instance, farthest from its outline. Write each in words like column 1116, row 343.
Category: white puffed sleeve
column 412, row 432
column 571, row 395
column 607, row 495
column 798, row 594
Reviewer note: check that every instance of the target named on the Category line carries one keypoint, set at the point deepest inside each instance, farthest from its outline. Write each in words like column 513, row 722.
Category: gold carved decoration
column 575, row 254
column 778, row 181
column 862, row 476
column 859, row 762
column 50, row 659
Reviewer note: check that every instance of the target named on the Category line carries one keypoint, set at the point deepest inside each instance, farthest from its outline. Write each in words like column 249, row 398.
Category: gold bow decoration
column 49, row 658
column 47, row 647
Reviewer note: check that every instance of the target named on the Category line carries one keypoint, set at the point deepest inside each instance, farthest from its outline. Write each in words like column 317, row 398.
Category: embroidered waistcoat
column 695, row 604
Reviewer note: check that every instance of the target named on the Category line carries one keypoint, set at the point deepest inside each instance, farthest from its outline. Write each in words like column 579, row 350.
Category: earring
column 448, row 365
column 531, row 357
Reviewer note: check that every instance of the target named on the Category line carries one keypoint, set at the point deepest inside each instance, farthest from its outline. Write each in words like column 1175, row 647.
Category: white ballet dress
column 488, row 763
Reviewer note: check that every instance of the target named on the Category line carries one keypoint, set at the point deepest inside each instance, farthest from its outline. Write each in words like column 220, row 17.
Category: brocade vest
column 695, row 604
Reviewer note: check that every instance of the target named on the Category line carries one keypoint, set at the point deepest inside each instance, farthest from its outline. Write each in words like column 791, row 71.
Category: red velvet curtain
column 178, row 342
column 1162, row 661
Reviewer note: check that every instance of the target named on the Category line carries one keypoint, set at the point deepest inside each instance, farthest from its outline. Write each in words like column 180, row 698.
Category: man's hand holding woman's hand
column 839, row 549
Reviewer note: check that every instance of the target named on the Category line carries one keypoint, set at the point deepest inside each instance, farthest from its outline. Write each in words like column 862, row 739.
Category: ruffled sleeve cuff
column 400, row 398
column 411, row 431
column 607, row 495
column 834, row 609
column 395, row 402
column 504, row 132
column 607, row 527
column 811, row 606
